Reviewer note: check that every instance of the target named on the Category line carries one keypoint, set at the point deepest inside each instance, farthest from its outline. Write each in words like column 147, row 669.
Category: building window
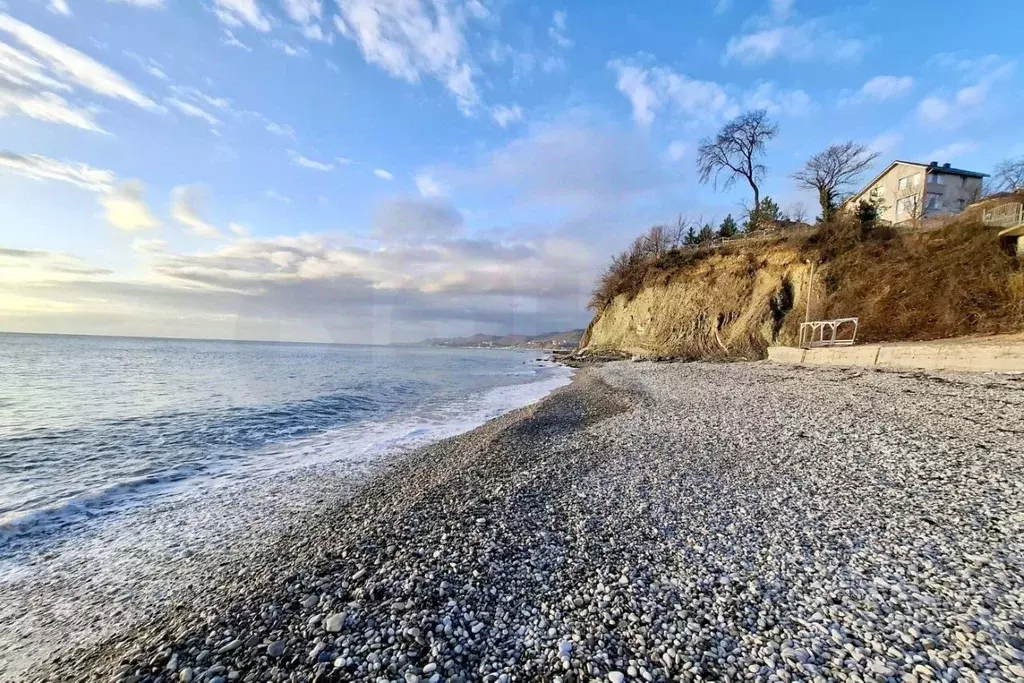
column 960, row 204
column 937, row 179
column 906, row 205
column 878, row 191
column 932, row 201
column 910, row 181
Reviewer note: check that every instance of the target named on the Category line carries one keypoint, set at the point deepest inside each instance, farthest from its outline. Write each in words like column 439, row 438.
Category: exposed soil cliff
column 736, row 301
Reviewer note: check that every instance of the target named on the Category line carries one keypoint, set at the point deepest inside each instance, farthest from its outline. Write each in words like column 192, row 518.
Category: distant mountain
column 550, row 340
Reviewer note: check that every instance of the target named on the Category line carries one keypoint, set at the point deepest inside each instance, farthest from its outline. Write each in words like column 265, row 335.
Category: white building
column 907, row 191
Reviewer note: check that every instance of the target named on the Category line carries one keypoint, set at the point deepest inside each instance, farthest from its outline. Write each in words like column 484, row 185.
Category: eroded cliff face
column 724, row 306
column 940, row 283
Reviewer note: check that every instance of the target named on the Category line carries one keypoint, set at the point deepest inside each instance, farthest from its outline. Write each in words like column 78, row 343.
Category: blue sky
column 386, row 170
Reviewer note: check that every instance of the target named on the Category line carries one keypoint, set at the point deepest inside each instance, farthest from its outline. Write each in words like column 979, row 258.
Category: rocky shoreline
column 648, row 522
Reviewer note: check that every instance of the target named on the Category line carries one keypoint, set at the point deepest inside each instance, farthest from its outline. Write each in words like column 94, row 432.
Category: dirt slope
column 737, row 301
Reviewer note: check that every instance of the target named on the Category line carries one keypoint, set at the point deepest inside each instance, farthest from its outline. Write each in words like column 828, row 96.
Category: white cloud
column 42, row 168
column 778, row 102
column 504, row 116
column 651, row 89
column 277, row 197
column 230, row 40
column 47, row 106
column 186, row 205
column 478, row 10
column 970, row 102
column 279, row 130
column 238, row 229
column 59, row 7
column 571, row 162
column 804, row 42
column 557, row 31
column 306, row 162
column 307, row 14
column 193, row 111
column 144, row 245
column 125, row 208
column 382, row 174
column 150, row 66
column 410, row 39
column 237, row 13
column 122, row 203
column 933, row 110
column 143, row 4
column 428, row 186
column 722, row 6
column 885, row 143
column 952, row 150
column 289, row 49
column 676, row 150
column 73, row 68
column 343, row 161
column 882, row 88
column 633, row 81
column 315, row 32
column 196, row 95
column 303, row 11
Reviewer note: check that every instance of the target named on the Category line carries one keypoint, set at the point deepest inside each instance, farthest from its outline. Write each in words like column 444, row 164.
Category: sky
column 378, row 171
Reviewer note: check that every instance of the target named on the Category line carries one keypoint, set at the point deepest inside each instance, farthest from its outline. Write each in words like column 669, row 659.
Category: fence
column 1004, row 215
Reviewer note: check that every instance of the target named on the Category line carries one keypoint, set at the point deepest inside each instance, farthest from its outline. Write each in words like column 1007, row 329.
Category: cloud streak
column 410, row 39
column 187, row 202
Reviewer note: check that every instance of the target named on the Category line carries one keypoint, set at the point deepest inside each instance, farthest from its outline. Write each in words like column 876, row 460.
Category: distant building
column 907, row 191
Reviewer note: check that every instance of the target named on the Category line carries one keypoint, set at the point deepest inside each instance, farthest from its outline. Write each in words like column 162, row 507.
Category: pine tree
column 706, row 235
column 691, row 237
column 728, row 228
column 766, row 215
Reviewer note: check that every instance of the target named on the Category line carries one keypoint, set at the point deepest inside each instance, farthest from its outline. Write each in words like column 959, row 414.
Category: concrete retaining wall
column 969, row 357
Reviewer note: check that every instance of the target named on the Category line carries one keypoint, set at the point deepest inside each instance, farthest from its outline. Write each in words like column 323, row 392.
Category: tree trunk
column 755, row 212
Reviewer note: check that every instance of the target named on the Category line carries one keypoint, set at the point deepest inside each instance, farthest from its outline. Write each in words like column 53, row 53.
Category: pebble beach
column 648, row 522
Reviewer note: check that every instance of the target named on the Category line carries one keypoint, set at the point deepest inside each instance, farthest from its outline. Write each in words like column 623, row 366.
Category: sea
column 127, row 463
column 94, row 427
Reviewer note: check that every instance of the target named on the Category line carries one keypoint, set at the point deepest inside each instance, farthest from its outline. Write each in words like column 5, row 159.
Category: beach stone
column 656, row 522
column 277, row 648
column 335, row 622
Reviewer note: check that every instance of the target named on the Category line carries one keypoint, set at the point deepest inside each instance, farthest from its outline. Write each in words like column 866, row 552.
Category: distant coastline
column 550, row 341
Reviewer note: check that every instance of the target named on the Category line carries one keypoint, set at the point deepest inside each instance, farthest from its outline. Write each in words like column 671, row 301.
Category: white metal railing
column 1004, row 215
column 818, row 333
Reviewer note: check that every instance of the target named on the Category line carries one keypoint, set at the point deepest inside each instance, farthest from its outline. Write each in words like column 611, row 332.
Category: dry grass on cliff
column 955, row 281
column 629, row 272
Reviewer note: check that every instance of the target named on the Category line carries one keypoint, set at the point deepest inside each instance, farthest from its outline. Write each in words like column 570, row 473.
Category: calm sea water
column 95, row 427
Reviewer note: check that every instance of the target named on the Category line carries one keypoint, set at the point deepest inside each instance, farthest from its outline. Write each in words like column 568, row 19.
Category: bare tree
column 832, row 171
column 736, row 152
column 797, row 212
column 1009, row 175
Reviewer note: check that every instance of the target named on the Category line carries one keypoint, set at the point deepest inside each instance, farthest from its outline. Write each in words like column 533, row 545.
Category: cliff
column 737, row 300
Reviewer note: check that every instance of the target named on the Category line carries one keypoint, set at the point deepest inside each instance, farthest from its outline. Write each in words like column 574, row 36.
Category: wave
column 238, row 445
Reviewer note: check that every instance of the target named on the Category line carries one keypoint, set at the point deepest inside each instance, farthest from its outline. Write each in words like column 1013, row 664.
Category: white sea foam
column 125, row 564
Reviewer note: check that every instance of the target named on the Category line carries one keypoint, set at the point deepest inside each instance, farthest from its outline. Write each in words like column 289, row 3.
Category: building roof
column 941, row 169
column 933, row 166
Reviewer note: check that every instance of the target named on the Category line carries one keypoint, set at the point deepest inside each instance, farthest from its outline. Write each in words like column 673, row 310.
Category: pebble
column 334, row 623
column 655, row 522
